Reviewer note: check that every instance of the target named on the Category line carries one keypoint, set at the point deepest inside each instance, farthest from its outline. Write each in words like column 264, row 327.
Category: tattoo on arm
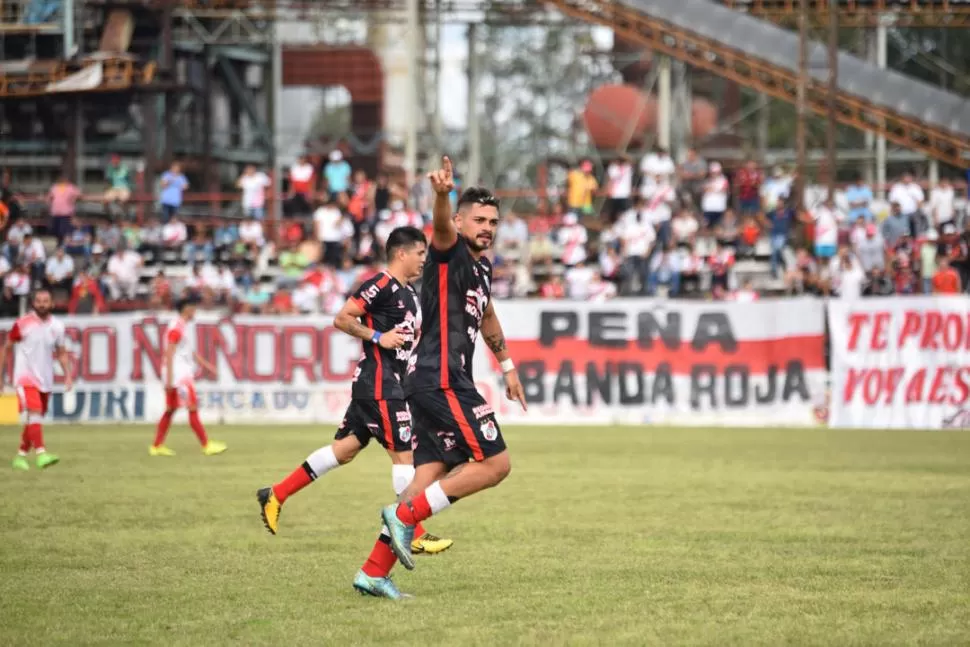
column 496, row 342
column 358, row 329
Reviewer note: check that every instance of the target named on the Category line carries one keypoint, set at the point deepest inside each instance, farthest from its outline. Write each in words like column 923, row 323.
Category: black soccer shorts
column 452, row 427
column 389, row 421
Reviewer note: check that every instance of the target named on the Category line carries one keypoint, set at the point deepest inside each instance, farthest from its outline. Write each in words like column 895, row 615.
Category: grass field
column 600, row 537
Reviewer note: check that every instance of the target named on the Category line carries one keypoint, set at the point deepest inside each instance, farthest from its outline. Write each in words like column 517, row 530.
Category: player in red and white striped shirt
column 178, row 372
column 37, row 337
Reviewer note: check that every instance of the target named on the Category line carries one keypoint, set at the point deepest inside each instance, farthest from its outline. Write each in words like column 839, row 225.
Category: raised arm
column 348, row 321
column 495, row 338
column 445, row 235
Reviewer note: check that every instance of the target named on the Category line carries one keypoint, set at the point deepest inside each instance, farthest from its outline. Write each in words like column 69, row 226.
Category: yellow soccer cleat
column 269, row 508
column 428, row 544
column 161, row 450
column 214, row 447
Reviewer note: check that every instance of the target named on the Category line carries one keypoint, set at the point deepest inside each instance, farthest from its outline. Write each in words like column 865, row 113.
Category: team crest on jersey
column 489, row 430
column 404, row 433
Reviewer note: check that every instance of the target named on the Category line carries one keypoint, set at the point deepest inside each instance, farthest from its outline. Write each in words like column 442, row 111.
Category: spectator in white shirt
column 658, row 164
column 253, row 184
column 659, row 207
column 908, row 195
column 942, row 207
column 122, row 274
column 33, row 253
column 16, row 284
column 251, row 234
column 600, row 290
column 827, row 221
column 684, row 228
column 578, row 281
column 620, row 186
column 572, row 239
column 847, row 275
column 60, row 271
column 328, row 224
column 637, row 237
column 717, row 192
column 174, row 233
column 512, row 237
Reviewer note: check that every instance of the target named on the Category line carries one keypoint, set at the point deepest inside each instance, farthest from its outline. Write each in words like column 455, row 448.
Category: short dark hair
column 477, row 195
column 403, row 237
column 186, row 301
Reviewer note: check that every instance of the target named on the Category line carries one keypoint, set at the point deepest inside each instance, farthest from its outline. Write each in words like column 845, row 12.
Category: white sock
column 437, row 498
column 21, row 452
column 401, row 477
column 322, row 461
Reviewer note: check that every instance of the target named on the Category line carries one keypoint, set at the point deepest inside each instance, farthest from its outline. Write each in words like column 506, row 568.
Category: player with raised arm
column 459, row 450
column 38, row 338
column 178, row 371
column 384, row 313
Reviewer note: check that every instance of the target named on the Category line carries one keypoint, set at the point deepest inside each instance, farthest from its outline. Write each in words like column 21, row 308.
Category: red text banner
column 644, row 361
column 901, row 362
column 638, row 361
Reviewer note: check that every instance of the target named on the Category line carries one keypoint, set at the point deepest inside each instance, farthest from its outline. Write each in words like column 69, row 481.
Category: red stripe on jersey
column 466, row 429
column 386, row 419
column 443, row 321
column 379, row 372
column 383, row 280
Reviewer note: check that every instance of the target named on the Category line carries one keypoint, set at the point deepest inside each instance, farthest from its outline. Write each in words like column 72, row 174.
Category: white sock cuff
column 401, row 477
column 437, row 498
column 322, row 461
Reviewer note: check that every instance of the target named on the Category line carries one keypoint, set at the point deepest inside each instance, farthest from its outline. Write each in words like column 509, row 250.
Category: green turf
column 600, row 537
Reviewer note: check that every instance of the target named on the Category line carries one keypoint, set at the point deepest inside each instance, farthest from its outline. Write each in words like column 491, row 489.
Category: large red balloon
column 703, row 118
column 615, row 112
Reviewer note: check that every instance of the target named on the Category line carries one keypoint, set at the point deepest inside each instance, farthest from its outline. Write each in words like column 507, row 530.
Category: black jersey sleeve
column 373, row 293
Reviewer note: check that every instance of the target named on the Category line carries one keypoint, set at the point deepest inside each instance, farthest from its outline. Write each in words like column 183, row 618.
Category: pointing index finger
column 446, row 164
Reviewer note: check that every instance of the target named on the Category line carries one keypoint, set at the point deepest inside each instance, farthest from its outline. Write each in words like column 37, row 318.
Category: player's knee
column 346, row 450
column 501, row 467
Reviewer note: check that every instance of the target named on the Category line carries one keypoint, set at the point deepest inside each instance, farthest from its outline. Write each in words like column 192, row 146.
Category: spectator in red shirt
column 86, row 297
column 946, row 280
column 553, row 288
column 747, row 182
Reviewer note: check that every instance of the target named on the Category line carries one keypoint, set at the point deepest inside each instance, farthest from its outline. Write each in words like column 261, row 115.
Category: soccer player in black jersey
column 384, row 313
column 459, row 450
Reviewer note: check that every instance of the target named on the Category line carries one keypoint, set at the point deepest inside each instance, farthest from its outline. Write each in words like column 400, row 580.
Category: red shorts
column 181, row 395
column 29, row 398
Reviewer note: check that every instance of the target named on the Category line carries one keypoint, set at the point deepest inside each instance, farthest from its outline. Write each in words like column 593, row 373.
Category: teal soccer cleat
column 401, row 536
column 379, row 587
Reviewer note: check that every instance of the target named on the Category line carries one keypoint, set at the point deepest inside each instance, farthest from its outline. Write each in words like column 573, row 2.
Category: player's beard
column 477, row 246
column 42, row 312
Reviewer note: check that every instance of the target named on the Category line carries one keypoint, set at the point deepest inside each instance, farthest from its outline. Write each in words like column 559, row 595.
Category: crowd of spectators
column 654, row 227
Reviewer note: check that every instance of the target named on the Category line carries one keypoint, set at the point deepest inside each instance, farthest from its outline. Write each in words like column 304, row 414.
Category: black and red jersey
column 387, row 305
column 455, row 291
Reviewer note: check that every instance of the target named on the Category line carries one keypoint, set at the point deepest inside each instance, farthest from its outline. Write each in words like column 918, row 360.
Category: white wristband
column 507, row 365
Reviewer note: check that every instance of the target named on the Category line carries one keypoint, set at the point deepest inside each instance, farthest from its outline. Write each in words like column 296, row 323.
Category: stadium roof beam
column 906, row 112
column 864, row 13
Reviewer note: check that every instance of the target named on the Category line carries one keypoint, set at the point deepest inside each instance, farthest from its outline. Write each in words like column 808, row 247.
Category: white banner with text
column 900, row 362
column 630, row 361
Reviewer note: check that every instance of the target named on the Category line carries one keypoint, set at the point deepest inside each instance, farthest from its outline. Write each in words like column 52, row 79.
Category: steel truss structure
column 763, row 76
